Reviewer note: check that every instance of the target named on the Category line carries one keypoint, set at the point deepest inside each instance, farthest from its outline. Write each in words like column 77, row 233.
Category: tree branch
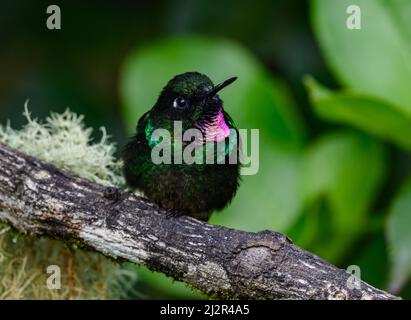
column 38, row 198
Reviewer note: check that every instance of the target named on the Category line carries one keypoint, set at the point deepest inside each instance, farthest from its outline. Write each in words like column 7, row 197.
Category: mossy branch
column 40, row 199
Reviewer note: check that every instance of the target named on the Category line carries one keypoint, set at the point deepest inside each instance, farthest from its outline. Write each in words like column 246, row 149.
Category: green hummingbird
column 195, row 188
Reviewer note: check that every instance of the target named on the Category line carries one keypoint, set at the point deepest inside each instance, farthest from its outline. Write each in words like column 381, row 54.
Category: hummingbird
column 198, row 188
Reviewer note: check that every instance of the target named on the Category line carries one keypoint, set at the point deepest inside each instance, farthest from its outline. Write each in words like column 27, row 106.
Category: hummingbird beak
column 220, row 86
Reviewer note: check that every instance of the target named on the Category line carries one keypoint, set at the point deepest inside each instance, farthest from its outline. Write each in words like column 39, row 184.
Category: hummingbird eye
column 180, row 102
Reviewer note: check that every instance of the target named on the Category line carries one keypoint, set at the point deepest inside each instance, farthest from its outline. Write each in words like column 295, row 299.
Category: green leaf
column 346, row 170
column 399, row 238
column 375, row 60
column 366, row 113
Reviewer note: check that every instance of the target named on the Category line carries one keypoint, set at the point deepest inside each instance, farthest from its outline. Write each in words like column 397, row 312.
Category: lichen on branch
column 65, row 141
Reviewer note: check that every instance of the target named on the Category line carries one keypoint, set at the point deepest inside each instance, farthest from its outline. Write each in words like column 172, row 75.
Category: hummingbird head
column 192, row 98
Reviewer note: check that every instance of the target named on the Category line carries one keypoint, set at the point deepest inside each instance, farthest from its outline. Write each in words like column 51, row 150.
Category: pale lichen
column 63, row 140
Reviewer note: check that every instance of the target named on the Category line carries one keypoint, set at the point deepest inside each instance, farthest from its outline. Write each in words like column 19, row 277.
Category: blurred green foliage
column 334, row 157
column 364, row 112
column 399, row 238
column 343, row 170
column 376, row 60
column 374, row 66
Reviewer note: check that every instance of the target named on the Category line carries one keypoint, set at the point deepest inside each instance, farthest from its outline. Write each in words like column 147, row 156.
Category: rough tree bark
column 38, row 198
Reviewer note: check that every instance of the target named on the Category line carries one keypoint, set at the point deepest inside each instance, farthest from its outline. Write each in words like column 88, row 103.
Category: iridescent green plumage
column 195, row 189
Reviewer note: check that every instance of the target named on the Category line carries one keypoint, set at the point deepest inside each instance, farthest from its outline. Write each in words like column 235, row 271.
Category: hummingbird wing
column 135, row 152
column 142, row 122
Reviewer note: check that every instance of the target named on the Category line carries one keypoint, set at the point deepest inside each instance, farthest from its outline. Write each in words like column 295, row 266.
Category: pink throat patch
column 217, row 130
